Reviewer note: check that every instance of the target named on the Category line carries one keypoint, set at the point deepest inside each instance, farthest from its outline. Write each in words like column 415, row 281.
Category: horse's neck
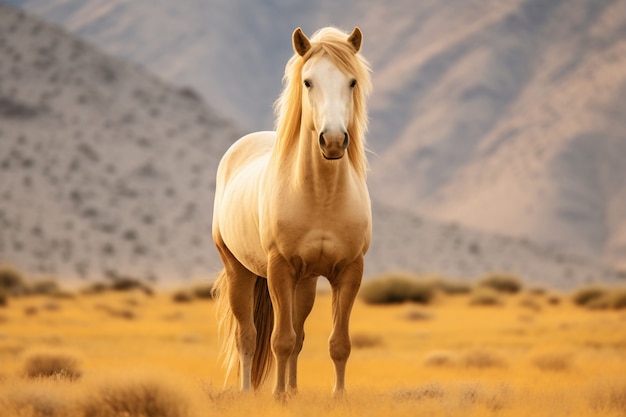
column 316, row 175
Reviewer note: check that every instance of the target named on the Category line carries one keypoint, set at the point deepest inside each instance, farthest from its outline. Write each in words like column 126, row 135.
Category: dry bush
column 45, row 287
column 4, row 300
column 418, row 315
column 397, row 288
column 485, row 296
column 59, row 365
column 530, row 303
column 182, row 297
column 365, row 340
column 203, row 291
column 482, row 359
column 537, row 291
column 116, row 312
column 500, row 282
column 583, row 296
column 553, row 300
column 600, row 298
column 440, row 358
column 428, row 391
column 129, row 284
column 135, row 397
column 554, row 362
column 11, row 280
column 95, row 288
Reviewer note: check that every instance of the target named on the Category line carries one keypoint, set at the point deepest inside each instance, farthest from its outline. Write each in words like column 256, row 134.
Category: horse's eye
column 352, row 83
column 307, row 83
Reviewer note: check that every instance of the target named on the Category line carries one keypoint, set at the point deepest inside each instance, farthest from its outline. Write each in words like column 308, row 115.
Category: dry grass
column 461, row 361
column 42, row 364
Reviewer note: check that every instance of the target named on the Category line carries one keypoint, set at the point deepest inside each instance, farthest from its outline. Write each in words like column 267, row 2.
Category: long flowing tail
column 227, row 329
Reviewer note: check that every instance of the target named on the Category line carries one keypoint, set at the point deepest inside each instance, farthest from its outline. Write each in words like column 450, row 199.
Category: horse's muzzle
column 333, row 145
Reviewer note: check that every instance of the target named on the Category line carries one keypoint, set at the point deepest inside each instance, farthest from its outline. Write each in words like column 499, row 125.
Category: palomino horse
column 293, row 205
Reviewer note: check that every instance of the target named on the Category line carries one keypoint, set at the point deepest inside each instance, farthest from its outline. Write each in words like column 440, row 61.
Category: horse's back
column 235, row 216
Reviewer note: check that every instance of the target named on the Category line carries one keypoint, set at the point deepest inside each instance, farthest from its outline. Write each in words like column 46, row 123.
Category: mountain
column 106, row 171
column 506, row 117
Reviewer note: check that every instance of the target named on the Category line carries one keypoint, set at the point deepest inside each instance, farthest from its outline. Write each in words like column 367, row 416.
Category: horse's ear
column 301, row 43
column 355, row 39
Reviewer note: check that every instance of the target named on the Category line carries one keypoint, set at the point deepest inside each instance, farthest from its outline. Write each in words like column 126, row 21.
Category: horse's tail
column 264, row 323
column 227, row 329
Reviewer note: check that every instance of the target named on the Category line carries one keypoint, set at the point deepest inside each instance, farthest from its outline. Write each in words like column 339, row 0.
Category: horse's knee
column 340, row 349
column 284, row 343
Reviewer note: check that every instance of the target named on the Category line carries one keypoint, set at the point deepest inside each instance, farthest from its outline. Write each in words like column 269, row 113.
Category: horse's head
column 328, row 95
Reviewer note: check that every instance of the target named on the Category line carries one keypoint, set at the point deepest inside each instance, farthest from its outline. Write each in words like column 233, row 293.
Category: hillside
column 502, row 116
column 105, row 171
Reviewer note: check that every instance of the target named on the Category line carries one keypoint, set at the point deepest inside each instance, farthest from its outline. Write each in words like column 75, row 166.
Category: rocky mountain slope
column 105, row 170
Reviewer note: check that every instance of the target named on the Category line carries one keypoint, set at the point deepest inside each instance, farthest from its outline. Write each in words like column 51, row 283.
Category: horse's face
column 327, row 105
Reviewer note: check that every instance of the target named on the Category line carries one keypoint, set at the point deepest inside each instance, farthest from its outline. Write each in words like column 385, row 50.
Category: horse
column 292, row 205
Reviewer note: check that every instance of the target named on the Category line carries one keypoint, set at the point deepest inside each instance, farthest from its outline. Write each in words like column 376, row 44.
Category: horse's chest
column 323, row 246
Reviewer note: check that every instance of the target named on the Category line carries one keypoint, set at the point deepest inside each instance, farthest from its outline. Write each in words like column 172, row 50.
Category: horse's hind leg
column 304, row 299
column 241, row 299
column 345, row 287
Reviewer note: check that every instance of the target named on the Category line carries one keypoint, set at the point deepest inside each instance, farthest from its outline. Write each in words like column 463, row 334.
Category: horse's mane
column 332, row 43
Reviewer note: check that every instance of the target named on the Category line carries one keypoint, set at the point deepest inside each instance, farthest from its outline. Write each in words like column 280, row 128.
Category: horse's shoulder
column 246, row 149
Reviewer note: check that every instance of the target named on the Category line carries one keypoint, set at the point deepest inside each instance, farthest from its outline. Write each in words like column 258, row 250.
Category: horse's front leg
column 304, row 299
column 281, row 283
column 345, row 287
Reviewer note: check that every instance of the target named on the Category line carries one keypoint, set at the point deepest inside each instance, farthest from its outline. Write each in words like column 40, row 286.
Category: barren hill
column 105, row 170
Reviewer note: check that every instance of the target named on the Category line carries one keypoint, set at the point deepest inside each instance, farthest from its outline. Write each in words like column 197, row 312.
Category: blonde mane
column 332, row 43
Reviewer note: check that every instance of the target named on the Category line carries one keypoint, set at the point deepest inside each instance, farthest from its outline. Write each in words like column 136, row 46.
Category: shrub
column 397, row 288
column 11, row 280
column 50, row 364
column 3, row 299
column 439, row 358
column 597, row 298
column 182, row 297
column 136, row 398
column 482, row 359
column 95, row 288
column 203, row 291
column 583, row 296
column 553, row 362
column 485, row 296
column 505, row 283
column 364, row 340
column 46, row 287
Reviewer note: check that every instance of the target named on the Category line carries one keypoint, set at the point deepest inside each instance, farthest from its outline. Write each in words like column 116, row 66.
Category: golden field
column 132, row 354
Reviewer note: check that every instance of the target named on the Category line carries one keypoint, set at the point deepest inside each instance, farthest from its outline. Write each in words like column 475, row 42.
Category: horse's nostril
column 322, row 141
column 346, row 141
